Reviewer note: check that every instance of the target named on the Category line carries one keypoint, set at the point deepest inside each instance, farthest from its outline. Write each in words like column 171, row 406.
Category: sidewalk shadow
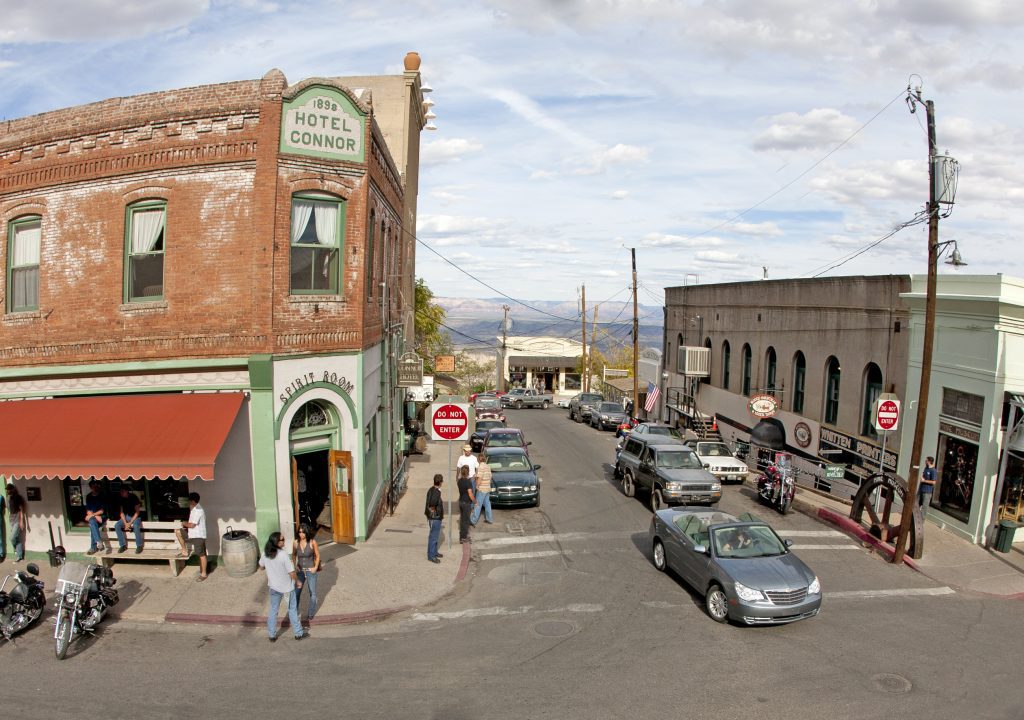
column 129, row 592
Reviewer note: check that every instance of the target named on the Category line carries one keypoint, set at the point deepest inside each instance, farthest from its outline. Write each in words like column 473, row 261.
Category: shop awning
column 118, row 436
column 539, row 361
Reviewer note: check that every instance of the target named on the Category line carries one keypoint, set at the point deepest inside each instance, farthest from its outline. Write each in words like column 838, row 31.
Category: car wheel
column 536, row 503
column 544, row 405
column 519, row 404
column 659, row 556
column 628, row 486
column 657, row 500
column 717, row 604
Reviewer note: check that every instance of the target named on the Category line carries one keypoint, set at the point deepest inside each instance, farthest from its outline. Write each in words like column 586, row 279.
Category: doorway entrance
column 322, row 494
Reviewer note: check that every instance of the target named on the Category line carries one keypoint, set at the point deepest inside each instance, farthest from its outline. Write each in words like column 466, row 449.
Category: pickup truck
column 527, row 397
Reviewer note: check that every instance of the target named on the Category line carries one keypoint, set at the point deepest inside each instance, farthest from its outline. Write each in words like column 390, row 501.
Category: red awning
column 118, row 436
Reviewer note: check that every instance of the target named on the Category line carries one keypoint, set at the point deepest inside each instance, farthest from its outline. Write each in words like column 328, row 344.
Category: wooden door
column 295, row 492
column 340, row 467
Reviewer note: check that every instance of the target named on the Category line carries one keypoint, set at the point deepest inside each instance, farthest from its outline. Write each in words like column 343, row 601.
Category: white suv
column 719, row 459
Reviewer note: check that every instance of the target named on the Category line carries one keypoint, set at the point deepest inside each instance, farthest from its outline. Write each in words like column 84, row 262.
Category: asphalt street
column 564, row 616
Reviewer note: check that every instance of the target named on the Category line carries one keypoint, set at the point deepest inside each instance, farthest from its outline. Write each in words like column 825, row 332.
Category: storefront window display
column 957, row 463
column 161, row 499
column 1011, row 504
column 572, row 381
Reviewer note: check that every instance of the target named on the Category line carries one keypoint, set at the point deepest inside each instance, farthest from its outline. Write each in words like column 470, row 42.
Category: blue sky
column 715, row 137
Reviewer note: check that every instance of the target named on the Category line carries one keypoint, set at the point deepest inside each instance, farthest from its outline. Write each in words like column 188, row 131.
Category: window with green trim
column 317, row 242
column 146, row 241
column 24, row 237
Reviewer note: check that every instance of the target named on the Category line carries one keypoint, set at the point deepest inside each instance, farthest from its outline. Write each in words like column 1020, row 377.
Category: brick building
column 205, row 290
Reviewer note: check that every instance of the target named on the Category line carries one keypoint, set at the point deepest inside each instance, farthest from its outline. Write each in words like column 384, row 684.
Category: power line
column 839, row 262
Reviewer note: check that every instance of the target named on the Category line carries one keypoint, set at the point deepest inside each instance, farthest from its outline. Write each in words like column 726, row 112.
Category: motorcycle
column 776, row 486
column 23, row 604
column 85, row 593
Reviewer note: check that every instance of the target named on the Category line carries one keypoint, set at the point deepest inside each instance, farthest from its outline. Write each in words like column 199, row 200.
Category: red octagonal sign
column 450, row 422
column 888, row 415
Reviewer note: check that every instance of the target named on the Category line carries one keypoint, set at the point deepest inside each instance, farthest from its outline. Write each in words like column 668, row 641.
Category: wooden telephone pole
column 636, row 341
column 584, row 384
column 503, row 384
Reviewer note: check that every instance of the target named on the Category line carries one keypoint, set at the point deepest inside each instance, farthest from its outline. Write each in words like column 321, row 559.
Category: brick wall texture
column 212, row 154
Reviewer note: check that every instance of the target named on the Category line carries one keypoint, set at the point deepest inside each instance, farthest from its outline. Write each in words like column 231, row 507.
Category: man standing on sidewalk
column 195, row 528
column 434, row 511
column 483, row 495
column 927, row 486
column 469, row 460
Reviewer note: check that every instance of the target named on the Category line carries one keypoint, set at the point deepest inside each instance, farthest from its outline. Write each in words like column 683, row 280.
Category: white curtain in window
column 26, row 245
column 301, row 210
column 327, row 224
column 146, row 228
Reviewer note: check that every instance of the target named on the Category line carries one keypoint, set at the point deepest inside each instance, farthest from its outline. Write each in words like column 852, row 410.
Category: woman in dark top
column 306, row 556
column 466, row 500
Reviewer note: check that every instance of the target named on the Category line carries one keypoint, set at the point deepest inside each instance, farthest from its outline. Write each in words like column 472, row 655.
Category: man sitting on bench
column 131, row 516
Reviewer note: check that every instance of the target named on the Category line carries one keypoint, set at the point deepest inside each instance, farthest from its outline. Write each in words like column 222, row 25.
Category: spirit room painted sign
column 323, row 122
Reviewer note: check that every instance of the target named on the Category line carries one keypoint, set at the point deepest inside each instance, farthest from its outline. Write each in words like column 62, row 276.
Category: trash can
column 1004, row 535
column 239, row 552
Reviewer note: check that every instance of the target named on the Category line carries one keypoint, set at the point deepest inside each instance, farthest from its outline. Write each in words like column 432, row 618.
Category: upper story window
column 680, row 355
column 746, row 370
column 24, row 237
column 872, row 389
column 832, row 370
column 725, row 365
column 370, row 264
column 146, row 233
column 799, row 378
column 771, row 367
column 317, row 243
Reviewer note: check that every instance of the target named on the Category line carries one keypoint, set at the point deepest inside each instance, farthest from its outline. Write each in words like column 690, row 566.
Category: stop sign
column 449, row 421
column 887, row 417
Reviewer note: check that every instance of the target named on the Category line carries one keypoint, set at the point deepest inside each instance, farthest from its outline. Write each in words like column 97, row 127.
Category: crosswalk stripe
column 809, row 533
column 505, row 611
column 554, row 537
column 524, row 555
column 896, row 592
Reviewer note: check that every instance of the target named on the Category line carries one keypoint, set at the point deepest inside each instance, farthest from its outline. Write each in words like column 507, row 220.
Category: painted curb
column 258, row 620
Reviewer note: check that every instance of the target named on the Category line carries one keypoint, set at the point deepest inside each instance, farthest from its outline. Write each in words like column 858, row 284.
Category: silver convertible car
column 745, row 571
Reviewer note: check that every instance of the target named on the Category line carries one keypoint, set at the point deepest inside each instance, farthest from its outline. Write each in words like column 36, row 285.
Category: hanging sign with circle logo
column 763, row 406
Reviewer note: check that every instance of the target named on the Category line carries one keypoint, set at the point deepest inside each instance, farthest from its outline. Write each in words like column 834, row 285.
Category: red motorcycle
column 776, row 486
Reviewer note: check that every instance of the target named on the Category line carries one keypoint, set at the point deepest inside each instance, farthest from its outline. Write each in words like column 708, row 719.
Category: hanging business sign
column 444, row 363
column 410, row 370
column 323, row 122
column 763, row 406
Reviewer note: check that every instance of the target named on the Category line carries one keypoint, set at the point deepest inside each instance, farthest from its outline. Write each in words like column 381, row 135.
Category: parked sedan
column 718, row 458
column 514, row 478
column 505, row 437
column 607, row 416
column 744, row 570
column 476, row 440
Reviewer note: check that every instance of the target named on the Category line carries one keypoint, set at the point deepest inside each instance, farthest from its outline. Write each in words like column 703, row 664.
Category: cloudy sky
column 716, row 137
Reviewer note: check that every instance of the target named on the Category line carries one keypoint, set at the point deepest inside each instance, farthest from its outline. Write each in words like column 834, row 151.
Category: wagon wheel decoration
column 884, row 524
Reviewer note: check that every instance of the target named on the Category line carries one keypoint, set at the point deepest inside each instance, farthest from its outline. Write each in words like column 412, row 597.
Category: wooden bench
column 158, row 543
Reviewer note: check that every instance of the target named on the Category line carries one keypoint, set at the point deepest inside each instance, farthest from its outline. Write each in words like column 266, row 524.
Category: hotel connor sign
column 323, row 122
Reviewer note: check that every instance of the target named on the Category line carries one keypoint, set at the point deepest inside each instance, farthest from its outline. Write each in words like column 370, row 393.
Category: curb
column 258, row 620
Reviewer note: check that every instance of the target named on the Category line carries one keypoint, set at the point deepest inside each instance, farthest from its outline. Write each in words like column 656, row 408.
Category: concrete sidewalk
column 387, row 574
column 947, row 558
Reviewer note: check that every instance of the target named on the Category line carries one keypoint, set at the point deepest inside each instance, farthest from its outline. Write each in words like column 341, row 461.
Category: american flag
column 653, row 393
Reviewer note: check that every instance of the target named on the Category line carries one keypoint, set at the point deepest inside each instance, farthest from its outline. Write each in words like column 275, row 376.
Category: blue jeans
column 435, row 536
column 483, row 502
column 18, row 541
column 308, row 580
column 924, row 499
column 95, row 540
column 122, row 536
column 293, row 612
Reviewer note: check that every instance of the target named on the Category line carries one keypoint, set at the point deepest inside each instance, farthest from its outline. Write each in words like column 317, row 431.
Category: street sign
column 410, row 370
column 887, row 413
column 444, row 363
column 835, row 472
column 763, row 406
column 449, row 421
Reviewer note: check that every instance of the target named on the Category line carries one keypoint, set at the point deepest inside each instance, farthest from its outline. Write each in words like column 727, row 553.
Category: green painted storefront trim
column 263, row 437
column 296, row 397
column 116, row 368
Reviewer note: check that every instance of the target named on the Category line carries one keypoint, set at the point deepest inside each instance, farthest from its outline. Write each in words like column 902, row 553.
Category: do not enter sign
column 449, row 421
column 887, row 414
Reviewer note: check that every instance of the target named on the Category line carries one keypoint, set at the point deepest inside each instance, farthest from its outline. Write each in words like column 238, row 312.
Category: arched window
column 799, row 378
column 317, row 243
column 832, row 369
column 746, row 370
column 310, row 415
column 707, row 344
column 680, row 355
column 770, row 367
column 370, row 260
column 872, row 389
column 725, row 365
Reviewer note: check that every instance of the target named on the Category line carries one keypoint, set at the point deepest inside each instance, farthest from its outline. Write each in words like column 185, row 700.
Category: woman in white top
column 282, row 583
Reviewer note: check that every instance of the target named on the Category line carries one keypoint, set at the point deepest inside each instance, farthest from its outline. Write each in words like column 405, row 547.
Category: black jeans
column 465, row 509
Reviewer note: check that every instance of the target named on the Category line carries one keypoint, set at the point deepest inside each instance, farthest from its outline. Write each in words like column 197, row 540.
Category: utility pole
column 929, row 331
column 636, row 341
column 504, row 344
column 593, row 340
column 583, row 319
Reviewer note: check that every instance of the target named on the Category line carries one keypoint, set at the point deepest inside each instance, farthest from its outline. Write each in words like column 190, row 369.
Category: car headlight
column 749, row 594
column 716, row 486
column 815, row 587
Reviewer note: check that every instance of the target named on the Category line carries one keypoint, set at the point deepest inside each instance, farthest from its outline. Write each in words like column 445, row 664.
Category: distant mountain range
column 475, row 323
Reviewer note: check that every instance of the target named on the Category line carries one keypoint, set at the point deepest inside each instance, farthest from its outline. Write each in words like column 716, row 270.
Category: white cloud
column 61, row 21
column 448, row 150
column 620, row 195
column 654, row 240
column 817, row 129
column 762, row 229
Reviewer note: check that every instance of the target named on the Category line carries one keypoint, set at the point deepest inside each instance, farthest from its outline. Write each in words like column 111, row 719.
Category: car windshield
column 713, row 449
column 678, row 460
column 504, row 440
column 610, row 407
column 591, row 398
column 488, row 403
column 485, row 425
column 663, row 430
column 508, row 462
column 747, row 541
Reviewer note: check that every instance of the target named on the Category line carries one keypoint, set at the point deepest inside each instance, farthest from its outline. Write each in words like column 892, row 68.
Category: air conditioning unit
column 697, row 362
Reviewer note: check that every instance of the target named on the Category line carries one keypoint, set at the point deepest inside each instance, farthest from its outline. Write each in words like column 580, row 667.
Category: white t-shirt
column 279, row 569
column 197, row 517
column 469, row 460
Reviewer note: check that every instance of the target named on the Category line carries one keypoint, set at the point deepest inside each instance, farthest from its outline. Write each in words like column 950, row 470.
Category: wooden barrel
column 239, row 553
